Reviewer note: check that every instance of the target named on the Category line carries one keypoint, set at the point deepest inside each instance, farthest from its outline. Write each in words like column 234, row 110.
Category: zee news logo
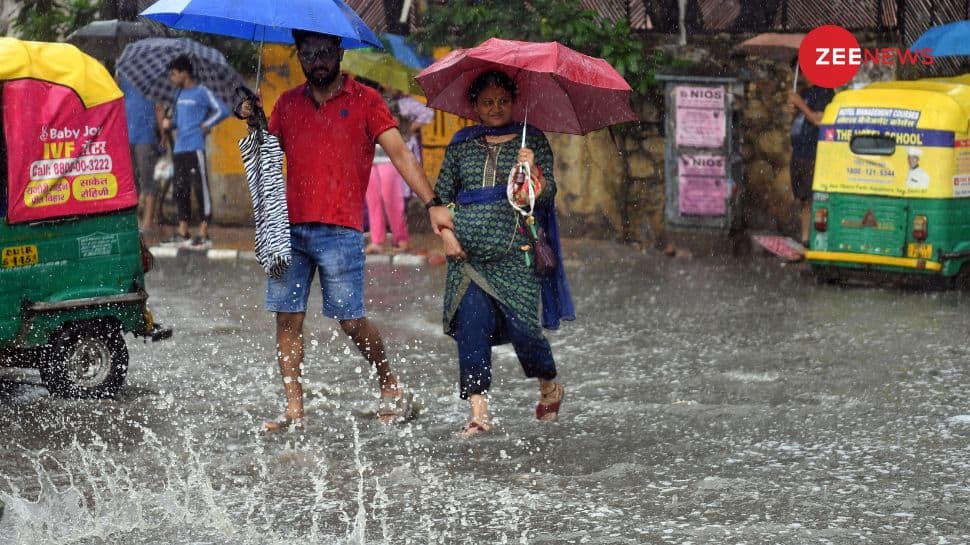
column 830, row 56
column 837, row 56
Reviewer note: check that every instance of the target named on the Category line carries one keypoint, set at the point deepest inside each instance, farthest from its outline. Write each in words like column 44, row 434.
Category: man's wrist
column 435, row 201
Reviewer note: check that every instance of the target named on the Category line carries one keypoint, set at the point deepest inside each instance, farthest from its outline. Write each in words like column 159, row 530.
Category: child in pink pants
column 384, row 196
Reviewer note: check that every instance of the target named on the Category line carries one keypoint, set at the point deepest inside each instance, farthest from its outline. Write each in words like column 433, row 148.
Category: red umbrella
column 560, row 89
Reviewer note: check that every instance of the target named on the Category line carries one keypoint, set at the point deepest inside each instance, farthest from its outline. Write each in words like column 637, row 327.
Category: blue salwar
column 481, row 322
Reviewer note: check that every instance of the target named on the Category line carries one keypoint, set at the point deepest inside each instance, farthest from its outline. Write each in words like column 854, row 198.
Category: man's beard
column 325, row 79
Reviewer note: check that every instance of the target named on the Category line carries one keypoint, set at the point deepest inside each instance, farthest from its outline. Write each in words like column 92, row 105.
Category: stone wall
column 763, row 126
column 611, row 186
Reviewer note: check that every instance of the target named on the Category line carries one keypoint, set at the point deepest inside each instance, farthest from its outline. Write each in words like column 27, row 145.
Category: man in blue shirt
column 143, row 141
column 197, row 110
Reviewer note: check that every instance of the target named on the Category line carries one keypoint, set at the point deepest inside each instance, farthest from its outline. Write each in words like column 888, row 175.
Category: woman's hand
column 526, row 155
column 453, row 248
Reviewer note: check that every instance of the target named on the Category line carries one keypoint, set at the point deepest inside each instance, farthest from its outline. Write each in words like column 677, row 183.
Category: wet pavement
column 709, row 400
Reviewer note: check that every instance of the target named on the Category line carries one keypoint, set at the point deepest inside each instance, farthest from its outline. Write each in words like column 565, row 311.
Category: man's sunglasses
column 323, row 54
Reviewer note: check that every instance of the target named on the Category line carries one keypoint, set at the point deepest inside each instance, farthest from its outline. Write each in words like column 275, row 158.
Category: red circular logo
column 829, row 56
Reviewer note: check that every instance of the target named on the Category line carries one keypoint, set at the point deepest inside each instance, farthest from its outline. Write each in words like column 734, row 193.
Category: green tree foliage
column 469, row 22
column 52, row 20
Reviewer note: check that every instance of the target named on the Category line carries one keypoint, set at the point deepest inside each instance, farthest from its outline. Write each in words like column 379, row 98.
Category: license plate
column 19, row 256
column 919, row 251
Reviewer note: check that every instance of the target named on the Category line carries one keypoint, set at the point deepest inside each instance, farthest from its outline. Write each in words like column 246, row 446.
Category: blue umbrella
column 405, row 52
column 265, row 20
column 949, row 40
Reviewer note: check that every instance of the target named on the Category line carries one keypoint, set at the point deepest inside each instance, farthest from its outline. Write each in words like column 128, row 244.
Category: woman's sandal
column 548, row 412
column 475, row 427
column 284, row 423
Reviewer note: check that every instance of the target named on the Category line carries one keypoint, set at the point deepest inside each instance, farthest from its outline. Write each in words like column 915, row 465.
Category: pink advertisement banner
column 64, row 159
column 702, row 189
column 700, row 116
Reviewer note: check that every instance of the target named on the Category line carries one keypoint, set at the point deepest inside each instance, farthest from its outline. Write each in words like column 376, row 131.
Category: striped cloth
column 264, row 173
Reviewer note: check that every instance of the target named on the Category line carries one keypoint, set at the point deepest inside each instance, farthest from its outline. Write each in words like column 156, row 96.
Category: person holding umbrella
column 197, row 111
column 496, row 278
column 806, row 106
column 492, row 292
column 328, row 128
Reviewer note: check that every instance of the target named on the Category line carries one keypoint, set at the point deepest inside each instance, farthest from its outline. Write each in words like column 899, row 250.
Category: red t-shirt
column 329, row 151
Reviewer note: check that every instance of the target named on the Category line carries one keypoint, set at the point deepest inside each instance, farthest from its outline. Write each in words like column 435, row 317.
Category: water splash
column 358, row 534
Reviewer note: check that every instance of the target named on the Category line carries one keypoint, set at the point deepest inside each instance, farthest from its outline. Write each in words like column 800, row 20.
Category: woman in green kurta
column 492, row 293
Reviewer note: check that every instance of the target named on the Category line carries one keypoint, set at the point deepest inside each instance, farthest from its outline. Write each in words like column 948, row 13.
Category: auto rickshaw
column 891, row 191
column 72, row 277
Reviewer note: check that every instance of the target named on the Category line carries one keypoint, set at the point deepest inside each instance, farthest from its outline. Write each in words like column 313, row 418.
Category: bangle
column 435, row 201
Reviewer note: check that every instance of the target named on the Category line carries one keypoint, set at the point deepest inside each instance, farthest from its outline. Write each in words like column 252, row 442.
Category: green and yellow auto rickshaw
column 72, row 276
column 892, row 180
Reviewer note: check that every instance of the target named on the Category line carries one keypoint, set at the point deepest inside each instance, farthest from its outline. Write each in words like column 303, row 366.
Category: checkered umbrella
column 145, row 64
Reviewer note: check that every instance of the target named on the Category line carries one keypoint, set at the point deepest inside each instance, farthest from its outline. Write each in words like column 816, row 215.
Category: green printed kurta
column 489, row 232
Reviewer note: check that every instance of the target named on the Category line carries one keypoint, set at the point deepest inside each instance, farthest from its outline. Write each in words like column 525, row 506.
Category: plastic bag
column 164, row 169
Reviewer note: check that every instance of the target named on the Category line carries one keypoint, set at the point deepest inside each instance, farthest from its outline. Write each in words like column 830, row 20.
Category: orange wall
column 224, row 148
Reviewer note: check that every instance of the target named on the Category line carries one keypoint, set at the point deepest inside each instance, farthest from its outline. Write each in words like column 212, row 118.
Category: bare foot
column 289, row 419
column 373, row 249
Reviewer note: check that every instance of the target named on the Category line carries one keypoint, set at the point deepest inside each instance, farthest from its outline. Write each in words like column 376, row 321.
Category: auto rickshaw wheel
column 86, row 359
column 824, row 275
column 961, row 280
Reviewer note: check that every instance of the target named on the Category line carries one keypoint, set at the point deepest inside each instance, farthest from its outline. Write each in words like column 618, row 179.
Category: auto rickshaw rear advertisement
column 64, row 159
column 867, row 147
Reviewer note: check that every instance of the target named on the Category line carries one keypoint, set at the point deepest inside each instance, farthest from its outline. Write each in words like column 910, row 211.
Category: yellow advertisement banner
column 912, row 171
column 95, row 187
column 52, row 192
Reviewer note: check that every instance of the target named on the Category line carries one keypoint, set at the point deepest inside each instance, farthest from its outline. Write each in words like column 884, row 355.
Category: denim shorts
column 338, row 253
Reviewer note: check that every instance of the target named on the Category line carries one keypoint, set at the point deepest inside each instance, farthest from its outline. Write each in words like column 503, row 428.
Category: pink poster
column 700, row 116
column 64, row 159
column 702, row 189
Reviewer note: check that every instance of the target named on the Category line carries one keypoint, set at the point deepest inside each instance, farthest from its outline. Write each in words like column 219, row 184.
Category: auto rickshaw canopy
column 943, row 103
column 63, row 64
column 66, row 134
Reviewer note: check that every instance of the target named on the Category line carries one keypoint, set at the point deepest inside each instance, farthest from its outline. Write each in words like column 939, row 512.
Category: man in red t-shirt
column 328, row 128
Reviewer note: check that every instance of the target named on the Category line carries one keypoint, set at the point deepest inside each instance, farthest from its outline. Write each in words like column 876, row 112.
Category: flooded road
column 709, row 401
